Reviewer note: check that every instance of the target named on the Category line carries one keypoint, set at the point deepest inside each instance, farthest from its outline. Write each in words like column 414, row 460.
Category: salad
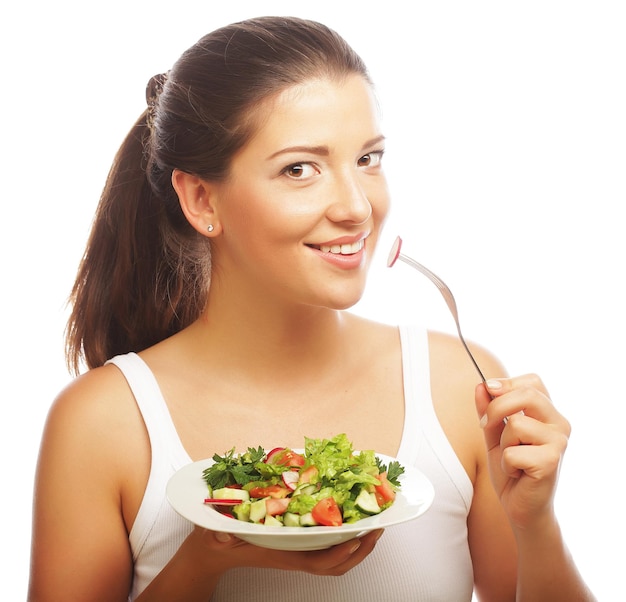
column 327, row 484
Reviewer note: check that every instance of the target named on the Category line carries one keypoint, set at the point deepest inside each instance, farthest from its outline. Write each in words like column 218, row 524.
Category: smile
column 345, row 249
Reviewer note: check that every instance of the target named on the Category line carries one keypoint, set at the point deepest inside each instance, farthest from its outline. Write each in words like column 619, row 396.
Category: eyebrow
column 321, row 150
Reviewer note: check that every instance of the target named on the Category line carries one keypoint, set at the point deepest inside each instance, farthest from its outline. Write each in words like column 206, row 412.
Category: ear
column 196, row 197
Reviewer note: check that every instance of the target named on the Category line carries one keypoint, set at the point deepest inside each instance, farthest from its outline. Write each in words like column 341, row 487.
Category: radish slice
column 290, row 479
column 271, row 455
column 395, row 252
column 220, row 502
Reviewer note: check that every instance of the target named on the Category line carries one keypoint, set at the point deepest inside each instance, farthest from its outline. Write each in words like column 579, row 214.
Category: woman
column 236, row 226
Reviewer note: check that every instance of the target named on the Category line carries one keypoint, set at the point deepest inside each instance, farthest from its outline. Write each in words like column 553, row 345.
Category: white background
column 506, row 128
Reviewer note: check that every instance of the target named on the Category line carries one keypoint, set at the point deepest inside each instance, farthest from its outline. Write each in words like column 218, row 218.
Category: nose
column 351, row 202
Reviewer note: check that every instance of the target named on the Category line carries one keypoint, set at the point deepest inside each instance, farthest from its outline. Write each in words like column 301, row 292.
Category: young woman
column 236, row 226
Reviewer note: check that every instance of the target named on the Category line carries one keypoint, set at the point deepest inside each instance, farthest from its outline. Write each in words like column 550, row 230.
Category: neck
column 257, row 336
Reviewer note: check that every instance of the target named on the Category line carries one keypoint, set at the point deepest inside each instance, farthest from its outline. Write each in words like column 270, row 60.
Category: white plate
column 186, row 491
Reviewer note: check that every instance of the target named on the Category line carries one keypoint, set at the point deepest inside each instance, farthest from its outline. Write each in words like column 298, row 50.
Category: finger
column 524, row 429
column 218, row 539
column 538, row 462
column 525, row 400
column 482, row 398
column 492, row 428
column 501, row 386
column 357, row 550
column 336, row 560
column 531, row 446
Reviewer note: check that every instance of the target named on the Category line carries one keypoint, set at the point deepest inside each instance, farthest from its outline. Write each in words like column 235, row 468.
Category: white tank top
column 426, row 559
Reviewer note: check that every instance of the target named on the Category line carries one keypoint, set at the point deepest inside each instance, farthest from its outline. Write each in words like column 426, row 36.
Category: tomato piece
column 380, row 500
column 326, row 512
column 273, row 491
column 274, row 506
column 385, row 489
column 308, row 474
column 285, row 457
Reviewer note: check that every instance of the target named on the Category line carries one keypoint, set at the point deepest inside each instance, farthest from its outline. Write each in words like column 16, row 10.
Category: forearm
column 546, row 570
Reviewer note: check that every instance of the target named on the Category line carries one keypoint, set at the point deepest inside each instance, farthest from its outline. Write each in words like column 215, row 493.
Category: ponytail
column 136, row 284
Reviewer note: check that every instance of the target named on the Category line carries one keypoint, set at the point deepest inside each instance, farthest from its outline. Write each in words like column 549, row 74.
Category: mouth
column 343, row 249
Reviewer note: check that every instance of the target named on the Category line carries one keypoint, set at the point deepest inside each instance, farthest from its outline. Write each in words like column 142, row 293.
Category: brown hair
column 145, row 272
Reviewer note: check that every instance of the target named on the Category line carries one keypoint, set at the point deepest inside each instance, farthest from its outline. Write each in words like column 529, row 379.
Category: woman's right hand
column 194, row 571
column 233, row 552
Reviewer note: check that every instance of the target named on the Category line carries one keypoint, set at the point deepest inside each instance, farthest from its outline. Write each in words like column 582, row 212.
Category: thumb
column 482, row 399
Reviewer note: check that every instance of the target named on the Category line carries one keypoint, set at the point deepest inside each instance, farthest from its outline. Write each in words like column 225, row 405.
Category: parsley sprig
column 232, row 469
column 394, row 470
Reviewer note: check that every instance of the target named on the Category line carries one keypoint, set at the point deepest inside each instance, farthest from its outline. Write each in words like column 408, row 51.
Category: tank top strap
column 164, row 439
column 167, row 451
column 419, row 413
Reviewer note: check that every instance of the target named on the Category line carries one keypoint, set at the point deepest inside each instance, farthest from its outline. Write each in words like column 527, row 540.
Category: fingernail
column 379, row 534
column 222, row 537
column 355, row 546
column 483, row 421
column 494, row 385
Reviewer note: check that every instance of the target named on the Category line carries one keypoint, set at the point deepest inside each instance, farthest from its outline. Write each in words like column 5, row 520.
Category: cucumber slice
column 291, row 519
column 367, row 502
column 242, row 511
column 272, row 521
column 307, row 520
column 305, row 489
column 228, row 493
column 258, row 510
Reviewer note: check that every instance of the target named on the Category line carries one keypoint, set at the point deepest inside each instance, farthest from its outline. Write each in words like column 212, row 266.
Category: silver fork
column 395, row 254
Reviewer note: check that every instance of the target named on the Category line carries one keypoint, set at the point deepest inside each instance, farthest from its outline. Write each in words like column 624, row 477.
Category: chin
column 344, row 301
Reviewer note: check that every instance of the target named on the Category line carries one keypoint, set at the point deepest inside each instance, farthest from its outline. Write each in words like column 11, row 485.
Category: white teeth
column 347, row 249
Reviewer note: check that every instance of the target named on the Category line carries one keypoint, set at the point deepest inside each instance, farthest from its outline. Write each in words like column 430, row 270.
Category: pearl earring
column 210, row 228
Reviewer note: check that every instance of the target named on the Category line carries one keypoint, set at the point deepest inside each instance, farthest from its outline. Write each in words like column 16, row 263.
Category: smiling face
column 304, row 201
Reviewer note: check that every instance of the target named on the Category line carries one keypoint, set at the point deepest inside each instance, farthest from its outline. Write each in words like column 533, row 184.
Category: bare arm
column 524, row 459
column 80, row 547
column 515, row 542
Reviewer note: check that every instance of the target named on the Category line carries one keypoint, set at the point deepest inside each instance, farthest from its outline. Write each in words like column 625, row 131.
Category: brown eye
column 295, row 171
column 300, row 171
column 371, row 159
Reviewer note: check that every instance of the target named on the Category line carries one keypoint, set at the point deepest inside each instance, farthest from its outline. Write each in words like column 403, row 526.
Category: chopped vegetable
column 329, row 484
column 326, row 512
column 230, row 469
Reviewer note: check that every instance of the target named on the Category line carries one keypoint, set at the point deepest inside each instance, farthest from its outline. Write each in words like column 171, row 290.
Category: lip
column 344, row 262
column 342, row 240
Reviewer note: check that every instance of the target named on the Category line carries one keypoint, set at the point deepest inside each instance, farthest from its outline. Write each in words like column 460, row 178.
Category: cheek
column 259, row 222
column 244, row 210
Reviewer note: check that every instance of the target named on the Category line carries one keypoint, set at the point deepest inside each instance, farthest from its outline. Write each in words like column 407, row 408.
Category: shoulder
column 95, row 417
column 99, row 396
column 448, row 355
column 87, row 490
column 453, row 383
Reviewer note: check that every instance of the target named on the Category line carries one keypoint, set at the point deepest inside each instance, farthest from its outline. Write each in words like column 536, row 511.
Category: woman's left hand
column 526, row 438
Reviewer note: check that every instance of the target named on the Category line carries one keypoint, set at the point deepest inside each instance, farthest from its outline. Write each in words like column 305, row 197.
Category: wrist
column 541, row 537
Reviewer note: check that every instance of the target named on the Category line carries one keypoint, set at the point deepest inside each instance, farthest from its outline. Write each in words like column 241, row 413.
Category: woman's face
column 305, row 199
